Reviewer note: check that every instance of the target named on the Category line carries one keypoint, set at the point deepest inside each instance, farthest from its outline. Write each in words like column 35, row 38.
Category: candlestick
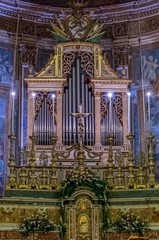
column 53, row 113
column 110, row 113
column 33, row 95
column 12, row 128
column 148, row 109
column 129, row 127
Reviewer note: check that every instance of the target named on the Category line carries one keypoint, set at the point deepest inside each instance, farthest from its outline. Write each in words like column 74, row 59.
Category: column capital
column 59, row 93
column 30, row 93
column 124, row 96
column 97, row 94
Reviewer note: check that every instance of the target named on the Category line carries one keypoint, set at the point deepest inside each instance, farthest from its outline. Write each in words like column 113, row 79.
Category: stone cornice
column 121, row 22
column 108, row 14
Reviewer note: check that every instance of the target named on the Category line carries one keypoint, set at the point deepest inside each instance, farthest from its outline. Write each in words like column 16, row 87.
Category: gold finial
column 110, row 165
column 151, row 164
column 130, row 166
column 53, row 178
column 12, row 179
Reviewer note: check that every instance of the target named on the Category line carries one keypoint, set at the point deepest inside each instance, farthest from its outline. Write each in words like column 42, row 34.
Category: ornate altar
column 73, row 126
column 84, row 216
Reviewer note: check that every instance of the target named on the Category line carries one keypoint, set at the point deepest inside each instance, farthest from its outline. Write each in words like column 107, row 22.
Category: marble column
column 125, row 117
column 97, row 118
column 59, row 116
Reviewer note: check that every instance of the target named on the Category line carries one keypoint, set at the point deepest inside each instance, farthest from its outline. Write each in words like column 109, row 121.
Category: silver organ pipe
column 117, row 129
column 76, row 93
column 93, row 125
column 70, row 110
column 78, row 81
column 74, row 104
column 89, row 118
column 83, row 94
column 66, row 119
column 63, row 114
column 44, row 122
column 86, row 110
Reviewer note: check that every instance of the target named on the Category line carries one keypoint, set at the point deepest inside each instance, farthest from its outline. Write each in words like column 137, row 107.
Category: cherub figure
column 149, row 67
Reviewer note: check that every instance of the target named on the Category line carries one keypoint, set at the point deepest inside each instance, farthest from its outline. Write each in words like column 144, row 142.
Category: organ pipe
column 76, row 93
column 44, row 122
column 117, row 129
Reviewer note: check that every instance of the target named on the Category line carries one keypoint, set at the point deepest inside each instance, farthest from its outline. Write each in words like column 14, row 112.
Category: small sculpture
column 43, row 159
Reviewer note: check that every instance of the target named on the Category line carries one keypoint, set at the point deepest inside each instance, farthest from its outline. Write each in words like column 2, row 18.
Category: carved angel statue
column 149, row 67
column 6, row 69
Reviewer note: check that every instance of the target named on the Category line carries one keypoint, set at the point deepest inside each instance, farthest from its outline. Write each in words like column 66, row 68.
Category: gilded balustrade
column 120, row 172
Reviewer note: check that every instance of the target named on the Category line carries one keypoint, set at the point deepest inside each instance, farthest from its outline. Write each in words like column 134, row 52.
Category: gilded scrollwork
column 52, row 108
column 118, row 104
column 104, row 106
column 87, row 62
column 68, row 59
column 38, row 101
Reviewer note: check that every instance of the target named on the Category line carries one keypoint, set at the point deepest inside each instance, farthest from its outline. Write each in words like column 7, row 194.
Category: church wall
column 36, row 53
column 150, row 74
column 6, row 70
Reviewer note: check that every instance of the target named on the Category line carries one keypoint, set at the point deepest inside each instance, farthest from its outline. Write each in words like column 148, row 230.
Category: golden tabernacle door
column 83, row 215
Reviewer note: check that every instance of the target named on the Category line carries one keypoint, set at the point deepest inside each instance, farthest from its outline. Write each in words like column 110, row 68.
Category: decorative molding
column 147, row 10
column 112, row 13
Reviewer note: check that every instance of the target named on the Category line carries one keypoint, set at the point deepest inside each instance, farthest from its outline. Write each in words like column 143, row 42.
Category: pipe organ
column 45, row 117
column 78, row 92
column 112, row 125
column 78, row 75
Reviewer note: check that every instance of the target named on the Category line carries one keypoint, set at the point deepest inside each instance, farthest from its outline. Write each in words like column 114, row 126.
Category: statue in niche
column 83, row 223
column 43, row 159
column 6, row 69
column 149, row 67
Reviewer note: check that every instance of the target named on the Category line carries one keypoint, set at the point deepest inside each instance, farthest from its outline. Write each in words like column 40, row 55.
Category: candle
column 12, row 128
column 53, row 112
column 110, row 113
column 148, row 109
column 33, row 95
column 129, row 127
